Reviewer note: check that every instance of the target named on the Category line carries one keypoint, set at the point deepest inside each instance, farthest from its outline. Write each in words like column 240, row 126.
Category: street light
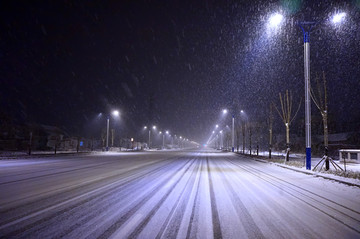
column 306, row 28
column 166, row 132
column 116, row 114
column 242, row 112
column 275, row 20
column 154, row 127
column 225, row 111
column 338, row 18
column 221, row 139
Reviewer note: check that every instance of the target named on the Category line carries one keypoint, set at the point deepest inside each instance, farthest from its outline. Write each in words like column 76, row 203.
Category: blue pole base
column 232, row 149
column 308, row 158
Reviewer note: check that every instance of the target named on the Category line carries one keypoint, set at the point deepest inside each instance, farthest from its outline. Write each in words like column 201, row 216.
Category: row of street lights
column 116, row 114
column 225, row 112
column 164, row 134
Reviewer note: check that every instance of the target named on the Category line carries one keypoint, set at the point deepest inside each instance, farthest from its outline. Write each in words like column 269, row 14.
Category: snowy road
column 189, row 194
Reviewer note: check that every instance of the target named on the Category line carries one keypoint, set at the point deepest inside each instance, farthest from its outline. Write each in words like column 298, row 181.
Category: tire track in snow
column 194, row 207
column 75, row 188
column 273, row 180
column 118, row 223
column 98, row 194
column 171, row 225
column 214, row 209
column 150, row 215
column 251, row 228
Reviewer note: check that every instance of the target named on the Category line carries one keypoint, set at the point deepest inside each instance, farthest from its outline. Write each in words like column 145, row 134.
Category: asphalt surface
column 183, row 194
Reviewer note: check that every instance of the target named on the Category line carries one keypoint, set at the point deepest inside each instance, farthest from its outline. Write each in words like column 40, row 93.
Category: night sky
column 175, row 64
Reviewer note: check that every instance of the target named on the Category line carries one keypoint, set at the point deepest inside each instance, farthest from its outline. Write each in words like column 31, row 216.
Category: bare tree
column 286, row 102
column 250, row 135
column 237, row 138
column 112, row 137
column 103, row 136
column 270, row 124
column 243, row 128
column 320, row 100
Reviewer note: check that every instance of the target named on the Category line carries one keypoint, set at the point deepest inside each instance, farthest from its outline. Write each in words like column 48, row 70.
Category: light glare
column 276, row 19
column 115, row 113
column 338, row 18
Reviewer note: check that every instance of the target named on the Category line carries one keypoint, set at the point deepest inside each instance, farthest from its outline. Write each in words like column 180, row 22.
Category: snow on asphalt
column 189, row 194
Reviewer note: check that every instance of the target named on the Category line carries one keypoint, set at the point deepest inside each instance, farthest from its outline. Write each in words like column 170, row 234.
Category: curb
column 26, row 156
column 319, row 176
column 308, row 173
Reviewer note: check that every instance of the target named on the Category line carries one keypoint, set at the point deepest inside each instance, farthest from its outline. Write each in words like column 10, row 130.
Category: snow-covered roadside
column 300, row 158
column 348, row 181
column 39, row 154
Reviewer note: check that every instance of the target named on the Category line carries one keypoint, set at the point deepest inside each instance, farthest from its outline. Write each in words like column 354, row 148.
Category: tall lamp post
column 232, row 130
column 154, row 127
column 116, row 114
column 167, row 133
column 306, row 27
column 163, row 139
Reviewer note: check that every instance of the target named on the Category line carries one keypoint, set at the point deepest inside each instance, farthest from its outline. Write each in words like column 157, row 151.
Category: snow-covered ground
column 190, row 194
column 350, row 166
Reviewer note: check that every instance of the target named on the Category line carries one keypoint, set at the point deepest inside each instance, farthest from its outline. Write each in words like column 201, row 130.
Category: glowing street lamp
column 338, row 18
column 275, row 20
column 166, row 132
column 154, row 128
column 116, row 114
column 225, row 111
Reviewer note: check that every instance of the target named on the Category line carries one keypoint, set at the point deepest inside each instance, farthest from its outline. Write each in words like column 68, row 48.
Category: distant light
column 225, row 111
column 221, row 131
column 167, row 132
column 154, row 127
column 217, row 126
column 275, row 20
column 213, row 132
column 241, row 111
column 338, row 18
column 115, row 113
column 145, row 127
column 132, row 139
column 180, row 137
column 160, row 132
